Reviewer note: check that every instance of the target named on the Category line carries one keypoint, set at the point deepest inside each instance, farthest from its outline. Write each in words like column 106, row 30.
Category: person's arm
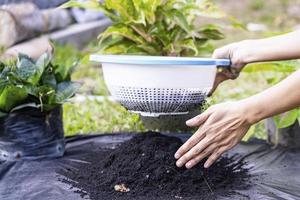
column 276, row 48
column 222, row 126
column 283, row 47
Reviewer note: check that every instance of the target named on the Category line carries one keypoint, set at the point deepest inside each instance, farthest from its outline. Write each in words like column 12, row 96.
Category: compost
column 144, row 168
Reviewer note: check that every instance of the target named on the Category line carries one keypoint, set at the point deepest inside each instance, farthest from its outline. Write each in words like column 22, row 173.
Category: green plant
column 156, row 27
column 26, row 82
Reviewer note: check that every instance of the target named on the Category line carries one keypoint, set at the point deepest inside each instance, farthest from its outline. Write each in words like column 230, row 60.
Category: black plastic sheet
column 30, row 134
column 276, row 172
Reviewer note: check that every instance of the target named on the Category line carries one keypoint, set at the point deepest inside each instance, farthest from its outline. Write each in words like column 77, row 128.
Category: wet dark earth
column 144, row 168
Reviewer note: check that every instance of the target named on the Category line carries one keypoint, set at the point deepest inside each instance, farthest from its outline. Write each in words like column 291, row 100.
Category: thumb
column 220, row 77
column 198, row 120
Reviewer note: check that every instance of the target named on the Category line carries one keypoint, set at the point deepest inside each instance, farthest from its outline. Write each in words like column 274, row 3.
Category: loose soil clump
column 144, row 168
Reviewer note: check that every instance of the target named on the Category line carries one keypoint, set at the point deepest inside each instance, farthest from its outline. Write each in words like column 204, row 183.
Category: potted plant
column 157, row 28
column 31, row 95
column 162, row 27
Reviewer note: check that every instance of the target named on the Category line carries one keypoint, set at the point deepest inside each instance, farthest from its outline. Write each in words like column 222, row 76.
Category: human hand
column 221, row 127
column 237, row 53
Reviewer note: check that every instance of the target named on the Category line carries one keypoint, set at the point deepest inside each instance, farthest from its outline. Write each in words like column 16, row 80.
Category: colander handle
column 227, row 70
column 224, row 63
column 224, row 66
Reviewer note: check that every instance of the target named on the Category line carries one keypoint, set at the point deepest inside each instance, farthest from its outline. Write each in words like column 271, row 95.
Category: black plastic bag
column 275, row 171
column 28, row 133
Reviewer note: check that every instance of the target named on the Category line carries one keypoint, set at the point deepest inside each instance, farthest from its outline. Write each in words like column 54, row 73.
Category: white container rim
column 158, row 60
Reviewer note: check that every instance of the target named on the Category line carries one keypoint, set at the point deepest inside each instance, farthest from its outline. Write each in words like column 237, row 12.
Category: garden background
column 92, row 111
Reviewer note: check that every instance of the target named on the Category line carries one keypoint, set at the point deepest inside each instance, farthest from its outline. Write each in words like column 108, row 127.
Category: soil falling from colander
column 144, row 168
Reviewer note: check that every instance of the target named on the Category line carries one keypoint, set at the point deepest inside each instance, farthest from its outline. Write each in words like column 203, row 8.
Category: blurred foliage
column 160, row 27
column 273, row 73
column 87, row 73
column 257, row 5
column 99, row 116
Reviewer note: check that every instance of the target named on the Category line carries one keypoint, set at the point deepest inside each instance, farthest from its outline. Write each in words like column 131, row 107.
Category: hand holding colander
column 156, row 85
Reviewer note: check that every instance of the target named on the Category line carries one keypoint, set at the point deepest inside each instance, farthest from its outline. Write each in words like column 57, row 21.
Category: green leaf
column 28, row 71
column 49, row 80
column 63, row 72
column 211, row 31
column 149, row 49
column 249, row 134
column 161, row 34
column 121, row 30
column 188, row 44
column 109, row 41
column 85, row 60
column 43, row 62
column 32, row 90
column 286, row 119
column 66, row 90
column 2, row 66
column 125, row 47
column 126, row 10
column 12, row 96
column 178, row 18
column 147, row 9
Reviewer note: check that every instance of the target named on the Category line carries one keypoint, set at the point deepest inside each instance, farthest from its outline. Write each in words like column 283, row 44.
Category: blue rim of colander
column 158, row 60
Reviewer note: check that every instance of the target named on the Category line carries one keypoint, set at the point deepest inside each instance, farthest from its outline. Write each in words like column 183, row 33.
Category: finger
column 214, row 156
column 222, row 52
column 198, row 120
column 207, row 151
column 220, row 77
column 191, row 142
column 193, row 152
column 201, row 156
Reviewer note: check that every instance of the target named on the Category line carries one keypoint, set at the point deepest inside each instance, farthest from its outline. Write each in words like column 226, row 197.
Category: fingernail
column 189, row 121
column 206, row 165
column 188, row 165
column 179, row 163
column 177, row 155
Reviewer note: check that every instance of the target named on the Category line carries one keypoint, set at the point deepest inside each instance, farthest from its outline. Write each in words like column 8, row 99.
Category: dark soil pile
column 144, row 168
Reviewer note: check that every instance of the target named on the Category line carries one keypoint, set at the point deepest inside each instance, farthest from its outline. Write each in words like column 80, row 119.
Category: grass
column 99, row 116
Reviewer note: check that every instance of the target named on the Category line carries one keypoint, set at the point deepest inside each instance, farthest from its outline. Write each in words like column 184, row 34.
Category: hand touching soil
column 221, row 127
column 224, row 125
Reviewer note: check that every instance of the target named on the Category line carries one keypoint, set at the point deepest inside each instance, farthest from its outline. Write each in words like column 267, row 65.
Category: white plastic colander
column 156, row 85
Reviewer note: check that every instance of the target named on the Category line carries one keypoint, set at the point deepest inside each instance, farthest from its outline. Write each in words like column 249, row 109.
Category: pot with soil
column 31, row 97
column 29, row 133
